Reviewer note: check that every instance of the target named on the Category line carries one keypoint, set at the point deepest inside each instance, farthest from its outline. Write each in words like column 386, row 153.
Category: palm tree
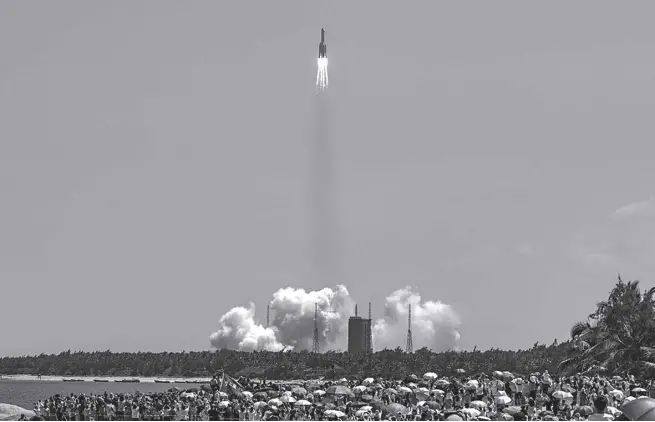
column 620, row 335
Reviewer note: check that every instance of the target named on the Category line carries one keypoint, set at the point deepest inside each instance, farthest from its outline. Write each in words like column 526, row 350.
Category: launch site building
column 359, row 334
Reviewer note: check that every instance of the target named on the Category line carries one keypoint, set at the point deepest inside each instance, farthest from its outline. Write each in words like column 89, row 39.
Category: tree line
column 618, row 337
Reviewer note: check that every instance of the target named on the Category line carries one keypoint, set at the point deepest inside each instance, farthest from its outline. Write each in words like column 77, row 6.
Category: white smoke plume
column 434, row 324
column 239, row 331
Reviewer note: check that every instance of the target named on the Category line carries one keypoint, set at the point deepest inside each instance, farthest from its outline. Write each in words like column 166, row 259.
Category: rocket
column 322, row 47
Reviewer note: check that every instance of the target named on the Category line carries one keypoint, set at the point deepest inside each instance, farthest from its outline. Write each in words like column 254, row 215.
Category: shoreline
column 60, row 378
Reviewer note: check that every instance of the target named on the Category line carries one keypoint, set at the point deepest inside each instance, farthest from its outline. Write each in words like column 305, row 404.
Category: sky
column 155, row 158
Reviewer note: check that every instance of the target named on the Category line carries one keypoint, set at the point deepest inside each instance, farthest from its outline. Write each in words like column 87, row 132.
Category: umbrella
column 404, row 389
column 339, row 390
column 562, row 395
column 334, row 413
column 287, row 399
column 368, row 381
column 318, row 392
column 396, row 408
column 432, row 405
column 275, row 402
column 584, row 410
column 612, row 411
column 302, row 403
column 512, row 410
column 472, row 413
column 639, row 390
column 628, row 399
column 472, row 384
column 479, row 404
column 438, row 392
column 504, row 400
column 359, row 389
column 429, row 376
column 299, row 391
column 442, row 382
column 224, row 403
column 390, row 391
column 460, row 371
column 259, row 404
column 639, row 410
column 617, row 394
column 366, row 408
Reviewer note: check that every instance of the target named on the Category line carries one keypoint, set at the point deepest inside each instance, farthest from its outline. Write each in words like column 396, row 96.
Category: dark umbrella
column 432, row 405
column 639, row 410
column 584, row 411
column 260, row 395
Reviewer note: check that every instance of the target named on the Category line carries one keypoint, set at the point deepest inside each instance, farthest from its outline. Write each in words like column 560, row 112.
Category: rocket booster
column 322, row 47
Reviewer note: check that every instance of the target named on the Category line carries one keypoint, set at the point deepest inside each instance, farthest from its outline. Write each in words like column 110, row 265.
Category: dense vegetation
column 283, row 365
column 619, row 336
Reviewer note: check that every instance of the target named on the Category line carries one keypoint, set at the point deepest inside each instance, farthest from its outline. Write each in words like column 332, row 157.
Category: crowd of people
column 497, row 396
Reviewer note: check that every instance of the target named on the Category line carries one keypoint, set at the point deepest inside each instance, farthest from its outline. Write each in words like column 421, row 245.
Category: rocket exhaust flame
column 322, row 66
column 322, row 74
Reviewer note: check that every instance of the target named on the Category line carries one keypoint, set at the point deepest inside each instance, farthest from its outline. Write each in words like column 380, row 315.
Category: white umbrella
column 473, row 413
column 259, row 404
column 423, row 390
column 368, row 381
column 472, row 384
column 613, row 411
column 429, row 376
column 442, row 382
column 366, row 408
column 617, row 394
column 224, row 403
column 318, row 392
column 361, row 413
column 504, row 400
column 360, row 389
column 479, row 404
column 562, row 395
column 247, row 394
column 287, row 399
column 404, row 389
column 302, row 403
column 275, row 402
column 438, row 392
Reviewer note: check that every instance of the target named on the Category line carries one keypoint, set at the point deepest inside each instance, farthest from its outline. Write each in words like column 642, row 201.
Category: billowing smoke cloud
column 292, row 322
column 239, row 331
column 434, row 324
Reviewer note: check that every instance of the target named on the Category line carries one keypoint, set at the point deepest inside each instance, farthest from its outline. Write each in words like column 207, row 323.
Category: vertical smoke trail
column 324, row 245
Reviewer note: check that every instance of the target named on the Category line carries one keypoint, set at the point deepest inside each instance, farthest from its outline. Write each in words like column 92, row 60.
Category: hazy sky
column 154, row 162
